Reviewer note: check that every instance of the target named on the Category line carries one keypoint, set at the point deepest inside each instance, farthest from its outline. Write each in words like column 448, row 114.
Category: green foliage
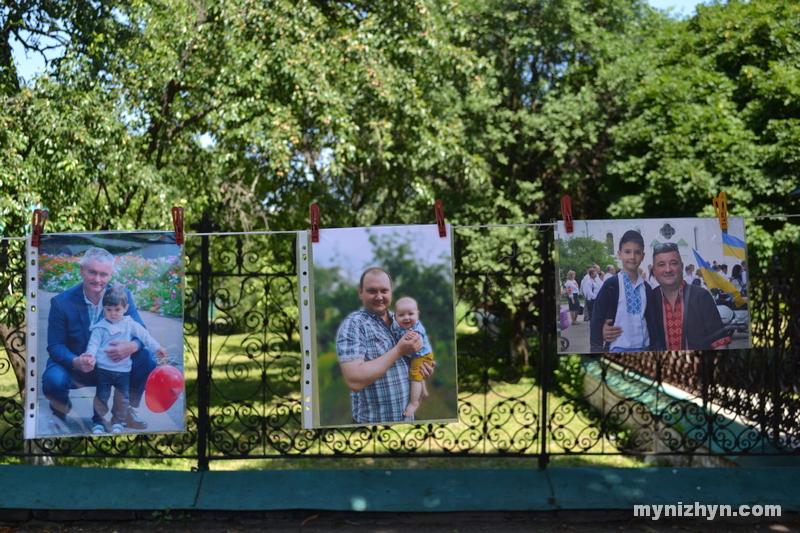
column 579, row 252
column 335, row 296
column 568, row 376
column 251, row 111
column 498, row 108
column 236, row 106
column 710, row 104
column 336, row 408
column 542, row 124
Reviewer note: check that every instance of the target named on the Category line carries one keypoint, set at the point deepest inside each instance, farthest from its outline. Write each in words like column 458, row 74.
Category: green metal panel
column 71, row 488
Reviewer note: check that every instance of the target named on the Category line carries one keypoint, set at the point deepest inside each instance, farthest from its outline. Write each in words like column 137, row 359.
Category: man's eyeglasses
column 665, row 247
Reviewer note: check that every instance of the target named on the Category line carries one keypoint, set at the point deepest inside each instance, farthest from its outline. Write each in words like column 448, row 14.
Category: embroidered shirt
column 630, row 314
column 673, row 320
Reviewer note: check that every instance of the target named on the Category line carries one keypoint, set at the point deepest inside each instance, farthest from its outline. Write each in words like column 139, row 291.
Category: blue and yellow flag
column 733, row 246
column 714, row 280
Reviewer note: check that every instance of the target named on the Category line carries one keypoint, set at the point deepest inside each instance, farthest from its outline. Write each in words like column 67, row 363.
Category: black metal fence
column 517, row 398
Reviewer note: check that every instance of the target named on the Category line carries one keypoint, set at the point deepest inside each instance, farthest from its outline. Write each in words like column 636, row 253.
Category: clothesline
column 479, row 226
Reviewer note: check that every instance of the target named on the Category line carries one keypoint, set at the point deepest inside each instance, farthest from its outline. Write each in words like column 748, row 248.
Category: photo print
column 381, row 315
column 109, row 319
column 652, row 285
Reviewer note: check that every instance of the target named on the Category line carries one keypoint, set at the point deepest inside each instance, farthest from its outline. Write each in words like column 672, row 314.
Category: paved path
column 466, row 522
column 578, row 337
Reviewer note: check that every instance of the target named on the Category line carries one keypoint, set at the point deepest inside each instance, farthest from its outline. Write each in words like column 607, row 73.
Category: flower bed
column 156, row 284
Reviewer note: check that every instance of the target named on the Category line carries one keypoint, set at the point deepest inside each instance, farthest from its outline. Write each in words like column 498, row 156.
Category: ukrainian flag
column 733, row 246
column 715, row 281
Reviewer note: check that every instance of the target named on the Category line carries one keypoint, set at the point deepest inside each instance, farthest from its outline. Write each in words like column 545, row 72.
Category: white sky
column 350, row 249
column 680, row 8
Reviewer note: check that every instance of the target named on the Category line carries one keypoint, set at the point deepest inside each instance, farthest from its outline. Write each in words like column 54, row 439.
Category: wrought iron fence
column 517, row 398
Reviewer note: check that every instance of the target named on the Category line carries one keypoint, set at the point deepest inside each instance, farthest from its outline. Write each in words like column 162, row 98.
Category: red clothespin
column 314, row 213
column 721, row 209
column 177, row 222
column 566, row 212
column 438, row 208
column 39, row 219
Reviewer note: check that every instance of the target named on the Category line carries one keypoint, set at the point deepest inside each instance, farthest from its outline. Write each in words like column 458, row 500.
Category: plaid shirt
column 364, row 336
column 399, row 331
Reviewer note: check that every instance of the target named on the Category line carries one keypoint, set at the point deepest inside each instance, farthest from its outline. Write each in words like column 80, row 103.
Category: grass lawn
column 255, row 407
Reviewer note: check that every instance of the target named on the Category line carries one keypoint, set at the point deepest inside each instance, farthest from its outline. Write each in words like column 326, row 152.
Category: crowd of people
column 586, row 291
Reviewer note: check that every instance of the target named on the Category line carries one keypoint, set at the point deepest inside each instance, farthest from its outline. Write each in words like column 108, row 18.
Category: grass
column 495, row 419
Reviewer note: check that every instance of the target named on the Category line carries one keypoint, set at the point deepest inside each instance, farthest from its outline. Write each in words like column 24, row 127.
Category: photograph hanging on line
column 383, row 314
column 110, row 335
column 652, row 285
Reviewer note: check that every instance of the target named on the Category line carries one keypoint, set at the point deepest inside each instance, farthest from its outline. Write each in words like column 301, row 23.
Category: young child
column 624, row 303
column 115, row 327
column 406, row 316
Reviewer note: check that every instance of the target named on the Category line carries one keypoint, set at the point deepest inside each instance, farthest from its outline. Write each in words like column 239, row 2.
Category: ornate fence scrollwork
column 516, row 398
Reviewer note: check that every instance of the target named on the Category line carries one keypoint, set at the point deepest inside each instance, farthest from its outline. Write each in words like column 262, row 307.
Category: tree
column 541, row 127
column 52, row 139
column 236, row 108
column 546, row 134
column 239, row 108
column 251, row 111
column 579, row 252
column 710, row 105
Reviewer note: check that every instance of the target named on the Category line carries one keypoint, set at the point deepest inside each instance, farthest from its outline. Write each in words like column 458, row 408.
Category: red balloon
column 164, row 386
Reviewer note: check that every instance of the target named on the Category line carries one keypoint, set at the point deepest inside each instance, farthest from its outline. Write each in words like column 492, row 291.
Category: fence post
column 777, row 291
column 547, row 319
column 204, row 332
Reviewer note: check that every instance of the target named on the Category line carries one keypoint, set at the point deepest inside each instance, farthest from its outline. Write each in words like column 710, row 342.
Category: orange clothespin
column 721, row 209
column 314, row 213
column 39, row 219
column 566, row 212
column 177, row 222
column 438, row 209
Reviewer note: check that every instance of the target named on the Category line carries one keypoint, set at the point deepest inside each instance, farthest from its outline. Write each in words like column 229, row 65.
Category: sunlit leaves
column 712, row 105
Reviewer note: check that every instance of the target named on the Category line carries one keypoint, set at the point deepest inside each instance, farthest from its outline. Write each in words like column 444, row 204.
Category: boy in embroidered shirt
column 406, row 316
column 623, row 315
column 114, row 327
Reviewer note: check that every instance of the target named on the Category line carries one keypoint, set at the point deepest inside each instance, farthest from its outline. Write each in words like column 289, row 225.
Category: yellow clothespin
column 721, row 209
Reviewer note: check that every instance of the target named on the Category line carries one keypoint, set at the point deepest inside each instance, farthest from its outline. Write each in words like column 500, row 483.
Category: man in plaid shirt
column 371, row 358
